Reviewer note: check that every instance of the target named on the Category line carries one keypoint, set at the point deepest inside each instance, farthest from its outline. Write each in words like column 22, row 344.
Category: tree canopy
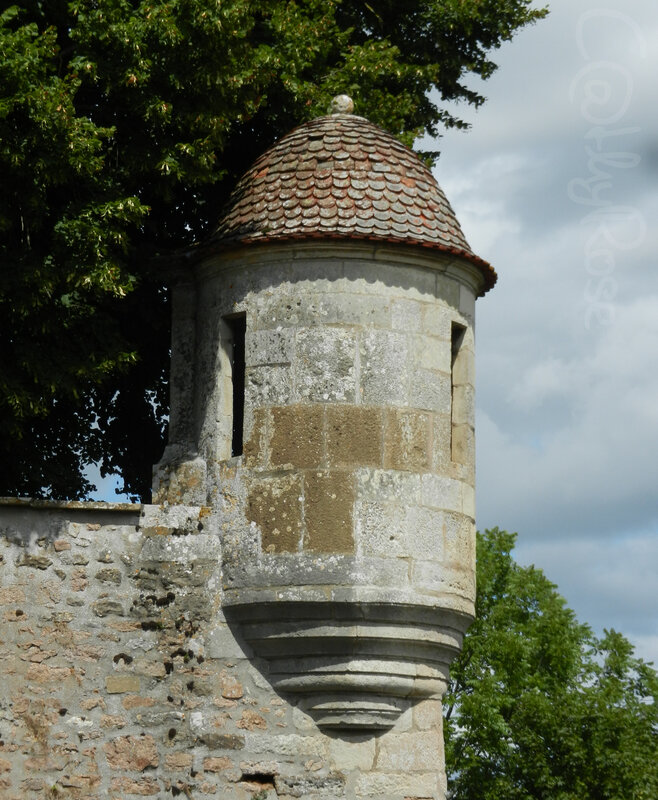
column 124, row 124
column 538, row 707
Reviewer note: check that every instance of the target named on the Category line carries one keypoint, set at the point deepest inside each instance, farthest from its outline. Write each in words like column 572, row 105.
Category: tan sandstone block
column 297, row 436
column 328, row 510
column 354, row 436
column 275, row 506
column 254, row 446
column 117, row 684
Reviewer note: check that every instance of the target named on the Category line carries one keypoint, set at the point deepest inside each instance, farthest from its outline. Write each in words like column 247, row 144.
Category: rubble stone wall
column 122, row 679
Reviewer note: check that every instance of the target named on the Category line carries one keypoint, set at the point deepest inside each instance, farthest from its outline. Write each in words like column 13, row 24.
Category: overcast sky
column 556, row 185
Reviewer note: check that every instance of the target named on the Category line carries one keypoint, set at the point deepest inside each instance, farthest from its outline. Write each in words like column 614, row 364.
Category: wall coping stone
column 68, row 505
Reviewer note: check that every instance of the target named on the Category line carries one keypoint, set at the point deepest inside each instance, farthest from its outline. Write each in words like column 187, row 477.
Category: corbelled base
column 353, row 665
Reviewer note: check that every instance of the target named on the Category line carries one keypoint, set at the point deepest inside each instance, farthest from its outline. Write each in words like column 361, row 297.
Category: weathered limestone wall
column 121, row 678
column 359, row 431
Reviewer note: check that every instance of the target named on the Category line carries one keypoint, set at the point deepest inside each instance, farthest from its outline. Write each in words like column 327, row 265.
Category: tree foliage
column 538, row 707
column 124, row 125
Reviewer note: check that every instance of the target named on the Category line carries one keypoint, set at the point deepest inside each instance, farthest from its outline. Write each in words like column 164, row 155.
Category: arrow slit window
column 458, row 372
column 237, row 326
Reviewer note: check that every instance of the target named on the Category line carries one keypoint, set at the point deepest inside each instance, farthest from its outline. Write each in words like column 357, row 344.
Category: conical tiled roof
column 340, row 176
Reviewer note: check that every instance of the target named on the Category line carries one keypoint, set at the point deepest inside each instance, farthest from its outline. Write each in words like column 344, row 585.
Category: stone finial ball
column 341, row 104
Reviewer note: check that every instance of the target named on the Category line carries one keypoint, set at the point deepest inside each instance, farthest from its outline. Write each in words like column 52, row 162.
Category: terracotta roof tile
column 341, row 176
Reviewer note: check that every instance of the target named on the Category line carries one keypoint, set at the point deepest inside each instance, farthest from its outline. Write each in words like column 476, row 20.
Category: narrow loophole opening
column 456, row 341
column 457, row 338
column 237, row 324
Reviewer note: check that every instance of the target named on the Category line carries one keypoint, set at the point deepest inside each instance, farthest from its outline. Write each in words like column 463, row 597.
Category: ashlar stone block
column 354, row 436
column 463, row 444
column 407, row 440
column 406, row 315
column 441, row 438
column 274, row 504
column 328, row 508
column 181, row 549
column 385, row 368
column 418, row 283
column 464, row 367
column 433, row 353
column 397, row 785
column 463, row 405
column 311, row 785
column 267, row 385
column 409, row 752
column 309, row 570
column 278, row 310
column 385, row 485
column 325, row 365
column 349, row 308
column 439, row 579
column 286, row 746
column 459, row 540
column 390, row 530
column 255, row 445
column 428, row 715
column 297, row 436
column 430, row 390
column 269, row 347
column 466, row 302
column 424, row 527
column 352, row 752
column 468, row 500
column 436, row 322
column 447, row 289
column 380, row 529
column 439, row 491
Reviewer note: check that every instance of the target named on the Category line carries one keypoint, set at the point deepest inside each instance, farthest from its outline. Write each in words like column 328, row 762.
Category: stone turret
column 323, row 411
column 280, row 621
